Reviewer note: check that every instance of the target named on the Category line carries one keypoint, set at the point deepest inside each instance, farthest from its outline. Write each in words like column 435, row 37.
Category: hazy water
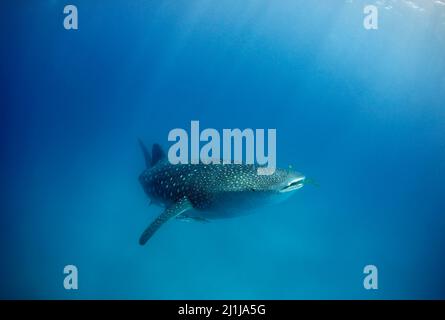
column 361, row 112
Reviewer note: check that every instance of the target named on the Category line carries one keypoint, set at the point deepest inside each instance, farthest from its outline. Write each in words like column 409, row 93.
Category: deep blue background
column 361, row 112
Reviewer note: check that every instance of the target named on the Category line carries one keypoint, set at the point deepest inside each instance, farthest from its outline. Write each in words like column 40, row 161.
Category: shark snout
column 294, row 183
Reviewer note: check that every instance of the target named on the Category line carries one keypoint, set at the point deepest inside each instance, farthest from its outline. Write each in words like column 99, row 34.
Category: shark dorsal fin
column 157, row 154
column 146, row 153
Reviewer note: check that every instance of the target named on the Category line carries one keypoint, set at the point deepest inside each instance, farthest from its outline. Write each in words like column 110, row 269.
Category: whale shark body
column 209, row 191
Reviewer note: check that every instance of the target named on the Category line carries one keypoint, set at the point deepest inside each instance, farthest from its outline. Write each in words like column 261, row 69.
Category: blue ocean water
column 362, row 112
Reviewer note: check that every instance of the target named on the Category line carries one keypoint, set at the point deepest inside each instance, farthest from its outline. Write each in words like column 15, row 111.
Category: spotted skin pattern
column 209, row 191
column 205, row 185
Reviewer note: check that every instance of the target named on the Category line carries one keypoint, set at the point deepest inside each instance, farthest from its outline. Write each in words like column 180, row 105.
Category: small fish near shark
column 204, row 192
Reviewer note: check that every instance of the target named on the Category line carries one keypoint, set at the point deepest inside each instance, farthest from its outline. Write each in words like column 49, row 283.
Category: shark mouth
column 294, row 185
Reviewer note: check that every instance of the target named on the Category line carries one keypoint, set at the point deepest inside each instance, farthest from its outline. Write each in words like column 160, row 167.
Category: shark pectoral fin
column 170, row 212
column 202, row 220
column 186, row 218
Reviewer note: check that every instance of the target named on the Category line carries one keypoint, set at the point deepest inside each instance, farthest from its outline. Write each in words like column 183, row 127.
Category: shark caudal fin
column 147, row 156
column 157, row 154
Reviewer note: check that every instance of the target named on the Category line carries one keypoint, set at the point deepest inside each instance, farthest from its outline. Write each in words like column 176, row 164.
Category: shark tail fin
column 147, row 156
column 157, row 154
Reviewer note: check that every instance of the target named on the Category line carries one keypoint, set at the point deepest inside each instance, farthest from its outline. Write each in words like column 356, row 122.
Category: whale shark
column 203, row 192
